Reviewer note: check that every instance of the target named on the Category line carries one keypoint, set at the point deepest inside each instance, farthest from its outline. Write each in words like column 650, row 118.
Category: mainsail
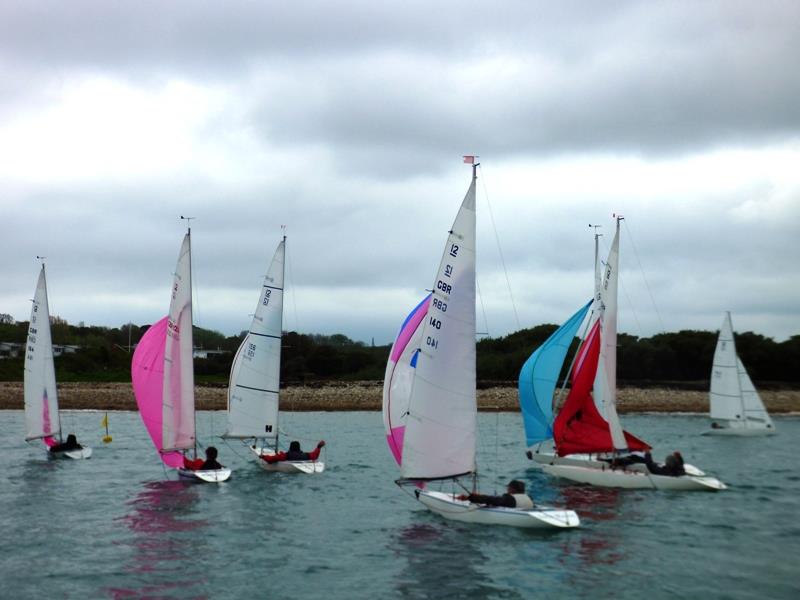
column 439, row 439
column 255, row 375
column 608, row 349
column 41, row 399
column 178, row 397
column 539, row 377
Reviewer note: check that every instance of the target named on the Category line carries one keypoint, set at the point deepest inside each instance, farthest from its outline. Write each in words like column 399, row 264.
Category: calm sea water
column 118, row 526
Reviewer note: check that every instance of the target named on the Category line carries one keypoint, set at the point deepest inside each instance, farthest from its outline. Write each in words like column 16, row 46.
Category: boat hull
column 449, row 507
column 741, row 430
column 636, row 477
column 80, row 454
column 308, row 467
column 210, row 476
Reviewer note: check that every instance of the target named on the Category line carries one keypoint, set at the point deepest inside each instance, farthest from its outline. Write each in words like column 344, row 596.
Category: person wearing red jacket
column 294, row 453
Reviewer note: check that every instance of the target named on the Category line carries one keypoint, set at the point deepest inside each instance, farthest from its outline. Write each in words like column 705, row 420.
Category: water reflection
column 442, row 560
column 164, row 521
column 597, row 546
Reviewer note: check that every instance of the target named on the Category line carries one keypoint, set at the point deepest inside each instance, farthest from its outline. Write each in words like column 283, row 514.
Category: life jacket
column 523, row 501
column 297, row 455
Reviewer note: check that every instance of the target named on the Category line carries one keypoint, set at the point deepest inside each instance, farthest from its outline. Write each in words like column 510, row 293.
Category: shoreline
column 367, row 396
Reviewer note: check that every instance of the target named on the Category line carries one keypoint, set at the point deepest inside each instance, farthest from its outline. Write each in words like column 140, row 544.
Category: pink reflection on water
column 160, row 516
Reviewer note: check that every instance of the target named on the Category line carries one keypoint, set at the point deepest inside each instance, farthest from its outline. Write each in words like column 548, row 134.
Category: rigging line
column 631, row 307
column 483, row 308
column 646, row 285
column 500, row 249
column 292, row 287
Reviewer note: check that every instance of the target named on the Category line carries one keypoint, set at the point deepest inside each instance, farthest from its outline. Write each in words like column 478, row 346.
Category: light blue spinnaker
column 539, row 376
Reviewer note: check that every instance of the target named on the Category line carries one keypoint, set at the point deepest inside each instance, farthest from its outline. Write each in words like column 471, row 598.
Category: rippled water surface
column 118, row 526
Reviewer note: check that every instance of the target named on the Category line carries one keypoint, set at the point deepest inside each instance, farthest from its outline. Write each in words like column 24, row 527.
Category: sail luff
column 254, row 389
column 440, row 433
column 39, row 379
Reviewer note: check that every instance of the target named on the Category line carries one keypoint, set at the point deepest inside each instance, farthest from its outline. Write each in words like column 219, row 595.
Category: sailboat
column 590, row 447
column 42, row 419
column 162, row 372
column 254, row 387
column 736, row 407
column 429, row 397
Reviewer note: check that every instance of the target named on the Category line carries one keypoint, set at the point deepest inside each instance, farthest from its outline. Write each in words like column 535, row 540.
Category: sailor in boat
column 68, row 446
column 294, row 453
column 672, row 467
column 209, row 464
column 515, row 497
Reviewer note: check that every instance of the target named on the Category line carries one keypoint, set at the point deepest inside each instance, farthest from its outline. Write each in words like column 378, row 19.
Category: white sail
column 726, row 394
column 41, row 400
column 178, row 390
column 607, row 369
column 255, row 375
column 733, row 397
column 754, row 410
column 440, row 434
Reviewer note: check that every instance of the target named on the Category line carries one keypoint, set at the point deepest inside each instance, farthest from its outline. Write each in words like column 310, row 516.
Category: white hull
column 637, row 477
column 212, row 476
column 83, row 453
column 449, row 507
column 309, row 467
column 744, row 430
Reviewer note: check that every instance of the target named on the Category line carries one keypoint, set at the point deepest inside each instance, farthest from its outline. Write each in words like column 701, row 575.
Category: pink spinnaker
column 147, row 374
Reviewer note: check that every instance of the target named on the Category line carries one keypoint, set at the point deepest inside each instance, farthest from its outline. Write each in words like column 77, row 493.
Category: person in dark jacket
column 209, row 464
column 70, row 444
column 294, row 453
column 515, row 497
column 672, row 467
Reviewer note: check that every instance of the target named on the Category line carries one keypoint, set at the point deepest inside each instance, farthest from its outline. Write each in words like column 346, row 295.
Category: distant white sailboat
column 162, row 372
column 736, row 407
column 254, row 387
column 586, row 442
column 42, row 418
column 429, row 397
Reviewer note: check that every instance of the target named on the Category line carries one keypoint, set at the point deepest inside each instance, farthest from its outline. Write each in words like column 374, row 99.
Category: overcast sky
column 346, row 122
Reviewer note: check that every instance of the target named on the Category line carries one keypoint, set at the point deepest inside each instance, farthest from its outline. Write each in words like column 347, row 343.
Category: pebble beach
column 366, row 395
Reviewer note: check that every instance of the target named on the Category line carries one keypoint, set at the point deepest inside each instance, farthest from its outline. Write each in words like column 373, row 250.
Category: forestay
column 41, row 399
column 440, row 431
column 253, row 390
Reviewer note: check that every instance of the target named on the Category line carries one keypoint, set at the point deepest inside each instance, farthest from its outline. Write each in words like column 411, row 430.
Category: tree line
column 682, row 358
